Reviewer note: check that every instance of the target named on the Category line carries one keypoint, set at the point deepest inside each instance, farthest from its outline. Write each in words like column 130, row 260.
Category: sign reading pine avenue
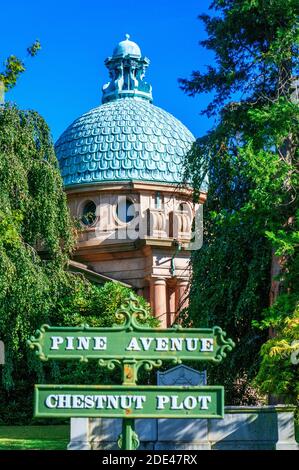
column 173, row 344
column 119, row 401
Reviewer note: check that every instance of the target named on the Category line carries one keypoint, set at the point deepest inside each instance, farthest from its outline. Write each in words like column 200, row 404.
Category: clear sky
column 64, row 80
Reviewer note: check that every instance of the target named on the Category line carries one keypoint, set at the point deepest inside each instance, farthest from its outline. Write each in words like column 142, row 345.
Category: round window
column 89, row 213
column 125, row 210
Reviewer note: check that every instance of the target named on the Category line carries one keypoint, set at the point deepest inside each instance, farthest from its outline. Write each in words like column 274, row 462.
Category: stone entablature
column 150, row 252
column 171, row 220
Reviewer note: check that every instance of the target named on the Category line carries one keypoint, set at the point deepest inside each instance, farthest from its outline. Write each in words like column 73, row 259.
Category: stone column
column 182, row 294
column 286, row 429
column 158, row 300
column 80, row 434
column 151, row 294
column 172, row 303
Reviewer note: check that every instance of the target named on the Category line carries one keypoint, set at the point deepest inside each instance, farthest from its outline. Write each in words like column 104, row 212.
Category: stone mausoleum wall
column 242, row 428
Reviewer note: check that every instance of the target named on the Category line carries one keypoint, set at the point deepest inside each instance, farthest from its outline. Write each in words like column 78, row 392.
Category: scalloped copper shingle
column 126, row 139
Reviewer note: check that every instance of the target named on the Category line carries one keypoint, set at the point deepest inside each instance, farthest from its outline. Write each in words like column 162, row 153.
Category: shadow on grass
column 34, row 437
column 34, row 444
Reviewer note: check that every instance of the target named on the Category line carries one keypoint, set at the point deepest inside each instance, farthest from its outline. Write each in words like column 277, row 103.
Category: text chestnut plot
column 123, row 401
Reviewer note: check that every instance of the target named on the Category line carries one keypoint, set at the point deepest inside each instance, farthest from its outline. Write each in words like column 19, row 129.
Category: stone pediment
column 182, row 375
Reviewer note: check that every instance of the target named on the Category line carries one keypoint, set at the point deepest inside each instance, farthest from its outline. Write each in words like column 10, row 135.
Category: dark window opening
column 125, row 210
column 89, row 213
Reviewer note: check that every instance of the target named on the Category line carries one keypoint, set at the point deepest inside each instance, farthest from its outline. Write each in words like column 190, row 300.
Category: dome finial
column 127, row 69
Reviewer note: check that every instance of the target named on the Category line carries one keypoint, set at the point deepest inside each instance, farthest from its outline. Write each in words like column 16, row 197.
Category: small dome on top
column 127, row 47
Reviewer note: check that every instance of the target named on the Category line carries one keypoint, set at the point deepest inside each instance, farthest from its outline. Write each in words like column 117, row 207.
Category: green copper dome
column 126, row 138
column 127, row 47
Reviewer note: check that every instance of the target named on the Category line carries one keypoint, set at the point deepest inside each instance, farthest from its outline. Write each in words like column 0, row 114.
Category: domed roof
column 127, row 138
column 123, row 140
column 127, row 47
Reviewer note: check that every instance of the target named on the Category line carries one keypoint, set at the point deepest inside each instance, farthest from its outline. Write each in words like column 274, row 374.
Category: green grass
column 34, row 437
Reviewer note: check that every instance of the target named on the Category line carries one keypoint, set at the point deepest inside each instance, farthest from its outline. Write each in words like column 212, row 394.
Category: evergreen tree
column 250, row 222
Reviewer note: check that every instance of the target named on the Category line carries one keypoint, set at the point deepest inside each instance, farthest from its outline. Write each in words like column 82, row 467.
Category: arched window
column 125, row 210
column 89, row 213
column 180, row 213
column 171, row 224
column 158, row 200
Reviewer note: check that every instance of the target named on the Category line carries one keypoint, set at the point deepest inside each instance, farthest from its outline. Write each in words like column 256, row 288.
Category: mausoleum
column 122, row 167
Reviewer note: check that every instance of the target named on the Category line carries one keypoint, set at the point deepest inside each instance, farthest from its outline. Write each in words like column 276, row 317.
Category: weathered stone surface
column 80, row 434
column 182, row 434
column 253, row 428
column 286, row 432
column 147, row 429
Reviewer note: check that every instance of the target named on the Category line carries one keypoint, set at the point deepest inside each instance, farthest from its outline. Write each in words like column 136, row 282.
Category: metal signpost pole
column 128, row 439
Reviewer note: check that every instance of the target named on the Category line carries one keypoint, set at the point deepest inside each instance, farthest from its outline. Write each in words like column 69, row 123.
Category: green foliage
column 77, row 302
column 36, row 240
column 33, row 214
column 85, row 303
column 14, row 67
column 255, row 43
column 34, row 48
column 54, row 437
column 278, row 373
column 251, row 156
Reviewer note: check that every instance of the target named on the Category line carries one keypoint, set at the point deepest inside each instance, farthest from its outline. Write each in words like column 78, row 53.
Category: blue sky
column 66, row 77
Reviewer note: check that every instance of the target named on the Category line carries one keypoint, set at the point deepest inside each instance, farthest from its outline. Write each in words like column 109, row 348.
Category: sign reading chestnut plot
column 119, row 401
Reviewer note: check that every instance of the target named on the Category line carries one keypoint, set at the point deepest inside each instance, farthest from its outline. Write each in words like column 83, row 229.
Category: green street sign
column 130, row 344
column 131, row 340
column 119, row 401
